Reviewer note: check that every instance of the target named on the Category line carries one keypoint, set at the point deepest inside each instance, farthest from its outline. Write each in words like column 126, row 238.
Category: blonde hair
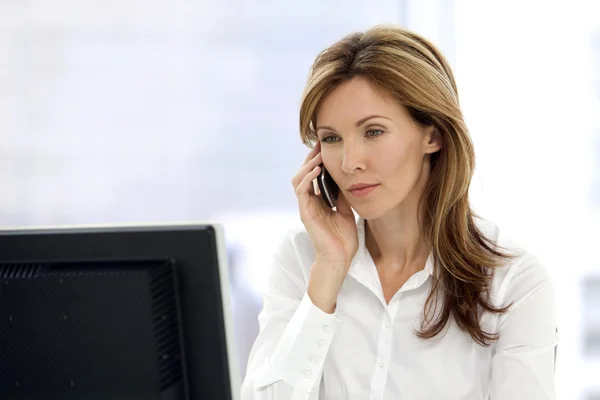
column 410, row 69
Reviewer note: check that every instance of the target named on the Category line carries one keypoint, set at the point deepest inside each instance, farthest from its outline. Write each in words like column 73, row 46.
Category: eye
column 330, row 139
column 374, row 133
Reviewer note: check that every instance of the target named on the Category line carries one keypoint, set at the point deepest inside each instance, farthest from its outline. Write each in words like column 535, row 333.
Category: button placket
column 383, row 351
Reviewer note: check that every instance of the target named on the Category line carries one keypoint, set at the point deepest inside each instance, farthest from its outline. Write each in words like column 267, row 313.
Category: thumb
column 343, row 206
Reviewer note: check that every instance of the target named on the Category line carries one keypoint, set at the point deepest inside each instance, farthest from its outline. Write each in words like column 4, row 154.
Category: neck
column 395, row 240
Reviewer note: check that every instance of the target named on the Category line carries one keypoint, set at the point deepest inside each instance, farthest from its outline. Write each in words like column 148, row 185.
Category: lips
column 362, row 189
column 360, row 186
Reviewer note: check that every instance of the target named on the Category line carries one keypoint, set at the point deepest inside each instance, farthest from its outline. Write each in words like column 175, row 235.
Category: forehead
column 355, row 99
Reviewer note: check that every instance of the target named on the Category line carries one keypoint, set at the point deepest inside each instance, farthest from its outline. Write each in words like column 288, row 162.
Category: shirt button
column 321, row 343
column 314, row 359
column 386, row 324
column 326, row 328
column 381, row 364
column 308, row 374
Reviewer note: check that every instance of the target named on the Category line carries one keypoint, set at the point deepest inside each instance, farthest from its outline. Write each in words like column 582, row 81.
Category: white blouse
column 367, row 349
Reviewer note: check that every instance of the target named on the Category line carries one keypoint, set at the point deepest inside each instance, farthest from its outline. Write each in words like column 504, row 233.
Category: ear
column 432, row 140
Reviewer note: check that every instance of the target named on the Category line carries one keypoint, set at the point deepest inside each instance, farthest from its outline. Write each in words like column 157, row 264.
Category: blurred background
column 176, row 110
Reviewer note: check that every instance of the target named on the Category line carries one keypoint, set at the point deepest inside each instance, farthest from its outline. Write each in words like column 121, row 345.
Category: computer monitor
column 116, row 313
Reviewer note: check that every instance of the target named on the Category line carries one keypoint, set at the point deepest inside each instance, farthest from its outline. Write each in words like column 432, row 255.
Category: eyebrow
column 358, row 123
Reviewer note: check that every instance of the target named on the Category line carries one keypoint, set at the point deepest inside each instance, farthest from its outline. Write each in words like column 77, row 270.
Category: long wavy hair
column 413, row 71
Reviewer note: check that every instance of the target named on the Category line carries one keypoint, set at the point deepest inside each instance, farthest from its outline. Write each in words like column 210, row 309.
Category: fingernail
column 316, row 188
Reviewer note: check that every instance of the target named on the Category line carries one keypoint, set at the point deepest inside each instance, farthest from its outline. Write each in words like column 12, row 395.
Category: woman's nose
column 354, row 158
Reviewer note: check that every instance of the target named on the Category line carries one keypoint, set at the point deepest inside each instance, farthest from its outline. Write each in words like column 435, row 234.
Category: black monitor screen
column 115, row 313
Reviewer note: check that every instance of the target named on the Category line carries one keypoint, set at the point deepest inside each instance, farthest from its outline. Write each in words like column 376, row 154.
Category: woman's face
column 368, row 139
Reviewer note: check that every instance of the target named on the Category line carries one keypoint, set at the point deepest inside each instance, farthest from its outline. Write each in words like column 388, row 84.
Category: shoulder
column 294, row 255
column 296, row 246
column 516, row 278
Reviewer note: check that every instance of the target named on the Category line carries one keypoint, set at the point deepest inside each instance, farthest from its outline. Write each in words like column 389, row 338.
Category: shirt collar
column 364, row 270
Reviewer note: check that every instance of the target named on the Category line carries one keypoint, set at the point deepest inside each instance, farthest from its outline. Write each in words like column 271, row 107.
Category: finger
column 304, row 187
column 313, row 152
column 306, row 168
column 343, row 206
column 316, row 188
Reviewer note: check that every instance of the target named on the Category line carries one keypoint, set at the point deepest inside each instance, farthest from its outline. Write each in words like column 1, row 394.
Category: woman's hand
column 333, row 233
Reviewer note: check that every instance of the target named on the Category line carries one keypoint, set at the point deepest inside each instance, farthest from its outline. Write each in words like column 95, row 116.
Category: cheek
column 332, row 165
column 332, row 161
column 399, row 167
column 392, row 159
column 328, row 160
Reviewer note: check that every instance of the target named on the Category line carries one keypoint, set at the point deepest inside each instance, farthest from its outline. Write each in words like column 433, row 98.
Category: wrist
column 331, row 265
column 324, row 285
column 327, row 304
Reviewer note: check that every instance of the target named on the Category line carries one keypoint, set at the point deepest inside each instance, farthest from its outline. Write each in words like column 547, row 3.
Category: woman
column 419, row 298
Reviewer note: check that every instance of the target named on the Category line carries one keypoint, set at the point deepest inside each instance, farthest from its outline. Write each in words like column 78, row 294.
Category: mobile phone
column 329, row 189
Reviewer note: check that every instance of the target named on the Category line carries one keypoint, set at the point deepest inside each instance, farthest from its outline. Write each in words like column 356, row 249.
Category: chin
column 370, row 211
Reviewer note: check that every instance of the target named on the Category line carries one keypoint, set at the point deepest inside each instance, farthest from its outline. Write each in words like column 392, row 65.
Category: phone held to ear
column 329, row 189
